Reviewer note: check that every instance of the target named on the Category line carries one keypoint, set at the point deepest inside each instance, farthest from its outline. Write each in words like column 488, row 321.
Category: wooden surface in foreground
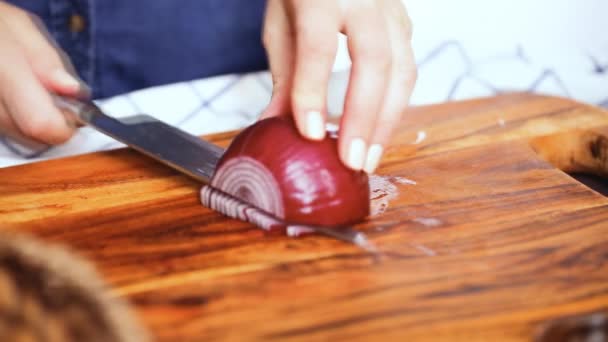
column 515, row 242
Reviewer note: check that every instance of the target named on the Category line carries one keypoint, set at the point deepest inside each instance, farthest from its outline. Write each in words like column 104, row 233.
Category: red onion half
column 273, row 177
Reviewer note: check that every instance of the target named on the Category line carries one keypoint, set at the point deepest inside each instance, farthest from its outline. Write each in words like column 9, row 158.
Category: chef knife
column 171, row 146
column 186, row 153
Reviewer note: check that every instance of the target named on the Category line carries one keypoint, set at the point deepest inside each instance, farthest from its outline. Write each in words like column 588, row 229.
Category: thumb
column 279, row 44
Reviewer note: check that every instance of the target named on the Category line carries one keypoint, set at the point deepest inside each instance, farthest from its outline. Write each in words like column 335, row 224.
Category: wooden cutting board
column 489, row 243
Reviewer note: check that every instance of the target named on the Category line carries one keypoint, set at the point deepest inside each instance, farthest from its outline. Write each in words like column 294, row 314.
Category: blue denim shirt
column 122, row 45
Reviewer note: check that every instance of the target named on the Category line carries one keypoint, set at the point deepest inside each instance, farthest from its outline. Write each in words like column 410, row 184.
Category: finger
column 317, row 24
column 401, row 82
column 279, row 44
column 10, row 130
column 26, row 100
column 371, row 55
column 48, row 62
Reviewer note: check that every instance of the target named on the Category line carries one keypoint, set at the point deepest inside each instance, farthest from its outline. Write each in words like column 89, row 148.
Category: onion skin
column 305, row 182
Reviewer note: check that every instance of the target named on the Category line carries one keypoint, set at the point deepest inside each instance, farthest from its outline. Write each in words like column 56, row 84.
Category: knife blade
column 186, row 153
column 171, row 146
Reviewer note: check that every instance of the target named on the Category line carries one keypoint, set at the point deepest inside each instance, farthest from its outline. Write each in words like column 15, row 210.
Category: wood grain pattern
column 514, row 241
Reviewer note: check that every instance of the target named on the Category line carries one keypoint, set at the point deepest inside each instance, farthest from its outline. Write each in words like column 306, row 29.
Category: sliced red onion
column 240, row 210
column 245, row 178
column 286, row 180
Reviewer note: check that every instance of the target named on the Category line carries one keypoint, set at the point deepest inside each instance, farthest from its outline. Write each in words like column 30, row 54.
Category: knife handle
column 77, row 112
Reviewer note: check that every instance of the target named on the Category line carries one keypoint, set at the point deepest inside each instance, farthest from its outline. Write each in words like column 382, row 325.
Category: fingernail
column 65, row 79
column 356, row 154
column 315, row 128
column 373, row 158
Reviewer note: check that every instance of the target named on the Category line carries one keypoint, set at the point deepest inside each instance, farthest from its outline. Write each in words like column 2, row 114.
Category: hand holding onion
column 287, row 171
column 301, row 39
